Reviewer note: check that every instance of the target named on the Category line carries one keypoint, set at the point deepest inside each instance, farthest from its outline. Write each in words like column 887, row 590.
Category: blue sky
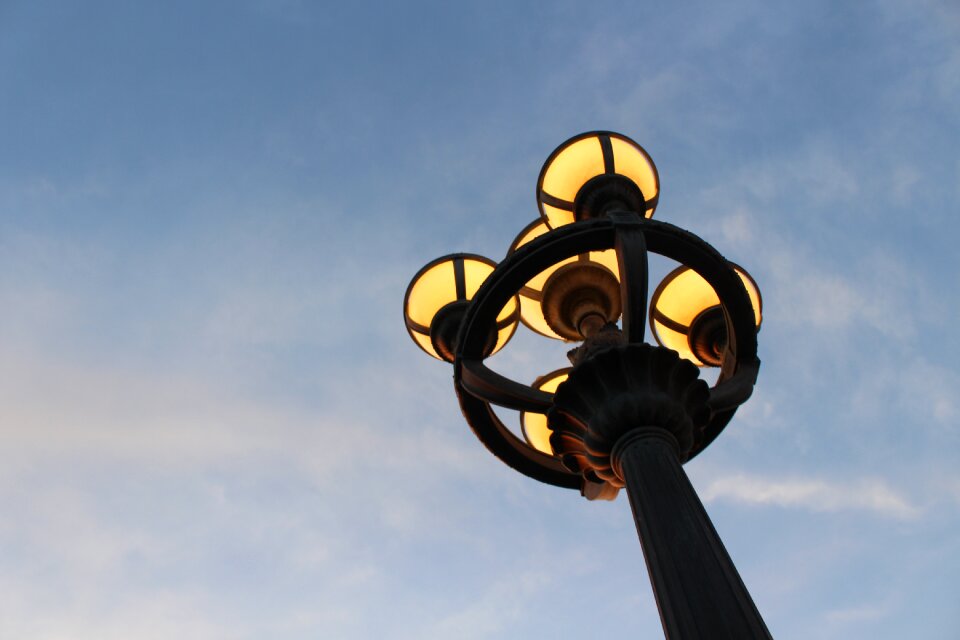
column 214, row 424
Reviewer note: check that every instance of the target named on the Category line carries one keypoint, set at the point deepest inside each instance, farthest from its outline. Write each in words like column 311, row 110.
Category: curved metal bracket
column 488, row 385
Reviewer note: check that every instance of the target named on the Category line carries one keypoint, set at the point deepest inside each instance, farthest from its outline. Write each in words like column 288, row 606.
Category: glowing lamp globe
column 437, row 299
column 685, row 315
column 593, row 173
column 603, row 266
column 534, row 425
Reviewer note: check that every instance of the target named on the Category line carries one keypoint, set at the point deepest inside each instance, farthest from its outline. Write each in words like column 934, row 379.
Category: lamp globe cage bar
column 627, row 414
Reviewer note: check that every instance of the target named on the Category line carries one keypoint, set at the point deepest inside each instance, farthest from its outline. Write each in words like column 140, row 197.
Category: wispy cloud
column 917, row 388
column 812, row 494
column 859, row 613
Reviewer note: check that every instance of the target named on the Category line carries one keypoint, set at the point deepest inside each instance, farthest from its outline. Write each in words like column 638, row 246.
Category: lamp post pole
column 698, row 589
column 627, row 414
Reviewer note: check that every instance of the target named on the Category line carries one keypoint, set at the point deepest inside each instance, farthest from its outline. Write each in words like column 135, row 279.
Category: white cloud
column 812, row 494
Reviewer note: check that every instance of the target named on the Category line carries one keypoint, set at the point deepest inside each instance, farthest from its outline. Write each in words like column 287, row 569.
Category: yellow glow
column 677, row 341
column 686, row 296
column 423, row 340
column 504, row 335
column 510, row 309
column 532, row 315
column 535, row 428
column 474, row 273
column 557, row 217
column 537, row 281
column 537, row 432
column 431, row 292
column 572, row 167
column 608, row 259
column 629, row 161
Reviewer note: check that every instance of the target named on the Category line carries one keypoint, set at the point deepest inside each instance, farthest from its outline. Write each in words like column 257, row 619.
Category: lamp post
column 626, row 414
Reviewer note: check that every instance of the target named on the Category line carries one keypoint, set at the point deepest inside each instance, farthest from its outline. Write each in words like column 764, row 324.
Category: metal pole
column 699, row 592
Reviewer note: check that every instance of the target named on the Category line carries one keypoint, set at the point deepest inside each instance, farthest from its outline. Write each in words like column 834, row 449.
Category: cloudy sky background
column 213, row 424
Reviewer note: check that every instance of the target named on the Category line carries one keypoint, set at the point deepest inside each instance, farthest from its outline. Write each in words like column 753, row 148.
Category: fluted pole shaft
column 699, row 592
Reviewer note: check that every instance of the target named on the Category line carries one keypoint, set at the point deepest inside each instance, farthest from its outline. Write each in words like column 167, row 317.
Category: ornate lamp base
column 629, row 415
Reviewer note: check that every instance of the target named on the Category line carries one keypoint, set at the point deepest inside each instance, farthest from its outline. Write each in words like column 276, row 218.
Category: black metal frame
column 478, row 387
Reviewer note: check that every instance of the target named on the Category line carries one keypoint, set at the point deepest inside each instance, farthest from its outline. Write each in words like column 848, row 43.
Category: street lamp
column 626, row 414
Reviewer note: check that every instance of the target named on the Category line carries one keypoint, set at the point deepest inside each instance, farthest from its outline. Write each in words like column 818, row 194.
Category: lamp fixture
column 627, row 414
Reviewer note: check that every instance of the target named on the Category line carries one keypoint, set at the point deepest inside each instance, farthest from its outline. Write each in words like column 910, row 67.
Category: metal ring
column 477, row 386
